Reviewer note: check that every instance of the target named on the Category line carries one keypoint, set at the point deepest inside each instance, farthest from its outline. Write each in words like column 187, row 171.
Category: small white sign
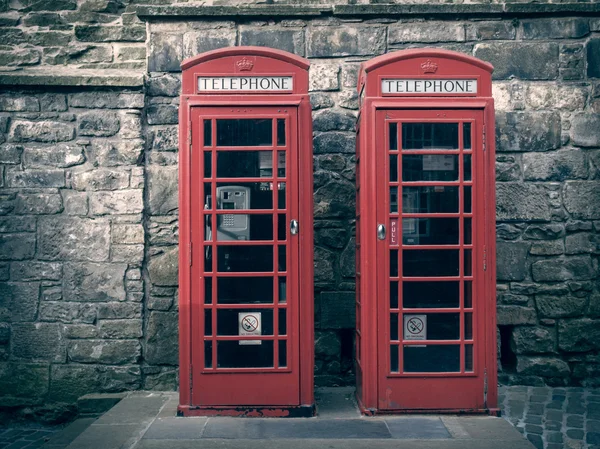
column 245, row 83
column 438, row 162
column 429, row 86
column 415, row 327
column 249, row 323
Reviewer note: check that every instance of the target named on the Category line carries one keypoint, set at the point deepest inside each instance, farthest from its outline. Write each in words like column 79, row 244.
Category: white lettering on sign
column 428, row 86
column 249, row 323
column 245, row 83
column 415, row 327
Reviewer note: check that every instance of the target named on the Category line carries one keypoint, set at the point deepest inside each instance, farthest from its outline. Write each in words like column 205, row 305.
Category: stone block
column 165, row 53
column 515, row 315
column 53, row 102
column 287, row 39
column 128, row 233
column 19, row 103
column 585, row 130
column 492, row 30
column 336, row 199
column 558, row 165
column 4, row 333
column 544, row 231
column 163, row 230
column 580, row 199
column 427, row 32
column 533, row 340
column 35, row 178
column 104, row 33
column 100, row 179
column 166, row 139
column 107, row 100
column 579, row 335
column 10, row 154
column 116, row 152
column 35, row 271
column 164, row 380
column 560, row 306
column 324, row 262
column 348, row 260
column 75, row 203
column 564, row 269
column 324, row 76
column 67, row 312
column 332, row 237
column 349, row 40
column 124, row 53
column 17, row 246
column 44, row 131
column 338, row 310
column 511, row 261
column 508, row 169
column 162, row 114
column 550, row 248
column 99, row 124
column 535, row 61
column 116, row 202
column 593, row 58
column 16, row 224
column 132, row 254
column 163, row 267
column 51, row 293
column 527, row 131
column 334, row 142
column 105, row 352
column 196, row 42
column 38, row 203
column 119, row 310
column 62, row 238
column 163, row 188
column 168, row 85
column 333, row 120
column 69, row 382
column 23, row 383
column 120, row 329
column 582, row 243
column 542, row 366
column 328, row 345
column 38, row 341
column 553, row 96
column 59, row 156
column 162, row 339
column 119, row 378
column 94, row 282
column 131, row 125
column 559, row 28
column 523, row 202
column 21, row 56
column 21, row 299
column 320, row 100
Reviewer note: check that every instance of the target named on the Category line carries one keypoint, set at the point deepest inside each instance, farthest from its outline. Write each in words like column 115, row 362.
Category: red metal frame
column 379, row 390
column 283, row 391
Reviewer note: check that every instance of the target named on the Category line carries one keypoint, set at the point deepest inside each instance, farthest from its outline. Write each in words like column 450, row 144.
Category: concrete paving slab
column 67, row 435
column 489, row 428
column 111, row 436
column 176, row 428
column 134, row 409
column 413, row 427
column 336, row 403
column 169, row 410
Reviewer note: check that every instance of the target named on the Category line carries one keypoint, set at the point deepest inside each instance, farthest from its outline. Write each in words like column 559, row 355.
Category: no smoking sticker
column 249, row 323
column 415, row 327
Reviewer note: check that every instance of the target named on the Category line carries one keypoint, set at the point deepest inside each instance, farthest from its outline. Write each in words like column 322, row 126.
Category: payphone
column 246, row 235
column 425, row 280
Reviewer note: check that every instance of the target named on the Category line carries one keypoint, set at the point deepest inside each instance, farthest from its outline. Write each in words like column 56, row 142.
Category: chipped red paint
column 243, row 412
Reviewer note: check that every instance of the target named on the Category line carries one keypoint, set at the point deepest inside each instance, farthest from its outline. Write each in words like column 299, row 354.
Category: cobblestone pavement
column 554, row 418
column 26, row 437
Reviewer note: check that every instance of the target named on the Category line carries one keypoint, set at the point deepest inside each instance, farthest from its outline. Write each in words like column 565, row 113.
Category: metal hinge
column 484, row 139
column 190, row 246
column 485, row 387
column 484, row 259
column 190, row 135
column 191, row 377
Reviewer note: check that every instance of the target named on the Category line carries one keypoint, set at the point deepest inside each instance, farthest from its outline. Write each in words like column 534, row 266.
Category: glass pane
column 435, row 199
column 467, row 167
column 467, row 206
column 468, row 231
column 430, row 167
column 393, row 294
column 467, row 136
column 228, row 321
column 282, row 325
column 469, row 358
column 437, row 326
column 281, row 195
column 207, row 196
column 394, row 359
column 425, row 295
column 433, row 262
column 232, row 354
column 244, row 227
column 468, row 326
column 244, row 195
column 244, row 132
column 282, row 257
column 393, row 130
column 244, row 164
column 468, row 262
column 281, row 164
column 432, row 359
column 427, row 136
column 245, row 258
column 207, row 259
column 430, row 231
column 207, row 290
column 468, row 294
column 394, row 263
column 281, row 132
column 208, row 322
column 281, row 226
column 282, row 353
column 282, row 289
column 393, row 200
column 207, row 164
column 245, row 290
column 207, row 133
column 393, row 168
column 208, row 235
column 208, row 354
column 393, row 326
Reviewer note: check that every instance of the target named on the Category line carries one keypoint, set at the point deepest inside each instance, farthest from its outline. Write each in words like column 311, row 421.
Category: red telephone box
column 426, row 324
column 246, row 235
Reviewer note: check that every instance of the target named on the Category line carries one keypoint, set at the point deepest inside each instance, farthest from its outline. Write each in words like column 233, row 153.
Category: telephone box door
column 431, row 260
column 244, row 283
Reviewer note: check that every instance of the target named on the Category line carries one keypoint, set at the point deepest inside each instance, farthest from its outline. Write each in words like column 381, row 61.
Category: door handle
column 294, row 227
column 381, row 232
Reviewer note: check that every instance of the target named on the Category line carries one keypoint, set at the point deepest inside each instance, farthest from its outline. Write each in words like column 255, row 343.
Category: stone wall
column 88, row 184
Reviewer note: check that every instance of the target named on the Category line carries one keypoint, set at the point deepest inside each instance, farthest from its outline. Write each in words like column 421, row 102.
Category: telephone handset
column 231, row 226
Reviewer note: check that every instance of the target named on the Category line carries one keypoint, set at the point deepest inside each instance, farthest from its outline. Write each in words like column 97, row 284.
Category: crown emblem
column 429, row 66
column 244, row 65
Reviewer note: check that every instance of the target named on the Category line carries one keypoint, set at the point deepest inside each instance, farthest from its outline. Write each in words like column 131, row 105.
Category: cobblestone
column 26, row 437
column 554, row 418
